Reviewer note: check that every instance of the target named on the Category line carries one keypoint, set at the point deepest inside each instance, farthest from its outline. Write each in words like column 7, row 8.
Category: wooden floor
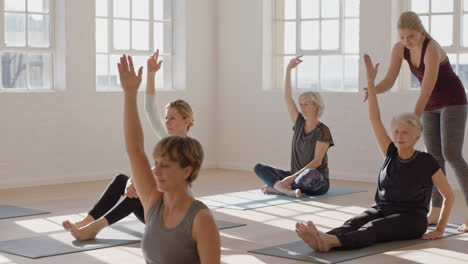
column 265, row 226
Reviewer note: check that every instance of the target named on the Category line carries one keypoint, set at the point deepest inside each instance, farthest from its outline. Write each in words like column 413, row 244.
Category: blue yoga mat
column 256, row 199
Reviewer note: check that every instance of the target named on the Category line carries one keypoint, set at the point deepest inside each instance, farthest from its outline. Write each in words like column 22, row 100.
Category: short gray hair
column 315, row 98
column 410, row 119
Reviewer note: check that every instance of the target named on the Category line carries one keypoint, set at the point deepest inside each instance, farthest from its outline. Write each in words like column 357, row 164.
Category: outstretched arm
column 383, row 140
column 290, row 104
column 441, row 183
column 151, row 110
column 134, row 141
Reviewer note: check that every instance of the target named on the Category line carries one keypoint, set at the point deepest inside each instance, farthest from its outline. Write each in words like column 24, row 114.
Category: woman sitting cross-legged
column 179, row 229
column 403, row 193
column 310, row 143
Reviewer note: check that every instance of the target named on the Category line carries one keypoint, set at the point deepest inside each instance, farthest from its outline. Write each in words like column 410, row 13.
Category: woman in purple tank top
column 441, row 102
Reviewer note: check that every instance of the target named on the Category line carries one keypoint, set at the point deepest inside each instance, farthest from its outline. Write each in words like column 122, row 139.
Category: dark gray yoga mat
column 256, row 199
column 10, row 211
column 299, row 250
column 64, row 243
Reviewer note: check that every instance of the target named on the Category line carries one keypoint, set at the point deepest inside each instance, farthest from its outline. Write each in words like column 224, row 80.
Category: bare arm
column 290, row 104
column 206, row 234
column 431, row 62
column 383, row 140
column 134, row 141
column 441, row 183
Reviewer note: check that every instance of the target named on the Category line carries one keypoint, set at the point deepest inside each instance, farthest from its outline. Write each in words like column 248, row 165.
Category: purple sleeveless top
column 448, row 89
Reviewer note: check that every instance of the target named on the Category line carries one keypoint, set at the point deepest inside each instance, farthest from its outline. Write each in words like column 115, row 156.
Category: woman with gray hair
column 310, row 143
column 442, row 101
column 403, row 192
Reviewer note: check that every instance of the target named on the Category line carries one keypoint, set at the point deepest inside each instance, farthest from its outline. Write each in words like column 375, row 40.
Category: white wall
column 254, row 125
column 76, row 135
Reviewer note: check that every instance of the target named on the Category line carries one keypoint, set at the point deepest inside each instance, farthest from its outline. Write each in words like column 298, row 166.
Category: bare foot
column 69, row 225
column 317, row 240
column 268, row 190
column 433, row 216
column 298, row 194
column 89, row 231
column 464, row 227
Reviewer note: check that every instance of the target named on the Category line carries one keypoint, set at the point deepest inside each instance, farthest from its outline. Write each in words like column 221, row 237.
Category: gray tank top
column 161, row 245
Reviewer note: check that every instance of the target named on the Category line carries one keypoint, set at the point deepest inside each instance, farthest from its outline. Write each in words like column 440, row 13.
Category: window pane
column 330, row 8
column 308, row 73
column 351, row 40
column 351, row 8
column 114, row 81
column 102, row 71
column 140, row 35
column 425, row 22
column 289, row 9
column 162, row 9
column 442, row 6
column 164, row 44
column 140, row 9
column 463, row 69
column 38, row 30
column 101, row 35
column 351, row 72
column 101, row 8
column 13, row 68
column 331, row 73
column 465, row 30
column 40, row 71
column 442, row 28
column 286, row 61
column 289, row 37
column 420, row 6
column 122, row 8
column 121, row 34
column 38, row 6
column 310, row 8
column 465, row 5
column 15, row 5
column 330, row 34
column 15, row 27
column 310, row 35
column 453, row 61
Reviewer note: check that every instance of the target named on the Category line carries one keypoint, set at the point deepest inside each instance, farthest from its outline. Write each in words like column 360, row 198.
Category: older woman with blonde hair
column 310, row 143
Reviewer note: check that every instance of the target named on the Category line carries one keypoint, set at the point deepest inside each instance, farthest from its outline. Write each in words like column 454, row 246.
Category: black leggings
column 379, row 225
column 112, row 207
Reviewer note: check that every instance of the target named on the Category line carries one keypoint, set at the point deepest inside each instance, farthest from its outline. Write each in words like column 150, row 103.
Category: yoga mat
column 299, row 250
column 256, row 199
column 10, row 211
column 65, row 243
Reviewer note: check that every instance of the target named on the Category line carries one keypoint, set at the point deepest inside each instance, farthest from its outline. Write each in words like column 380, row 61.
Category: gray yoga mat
column 299, row 250
column 10, row 211
column 64, row 243
column 256, row 199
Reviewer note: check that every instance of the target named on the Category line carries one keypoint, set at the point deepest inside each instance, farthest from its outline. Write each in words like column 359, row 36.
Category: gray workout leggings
column 443, row 132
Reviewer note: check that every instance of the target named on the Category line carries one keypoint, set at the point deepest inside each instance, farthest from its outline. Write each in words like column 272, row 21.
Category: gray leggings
column 443, row 132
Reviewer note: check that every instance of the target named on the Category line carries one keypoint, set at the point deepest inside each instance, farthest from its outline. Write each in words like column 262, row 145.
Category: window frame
column 167, row 57
column 27, row 49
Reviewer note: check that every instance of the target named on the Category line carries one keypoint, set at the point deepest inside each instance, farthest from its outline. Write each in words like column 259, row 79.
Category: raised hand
column 153, row 64
column 128, row 79
column 294, row 62
column 371, row 70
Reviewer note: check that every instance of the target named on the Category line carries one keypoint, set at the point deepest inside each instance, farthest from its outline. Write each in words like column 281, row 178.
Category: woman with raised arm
column 442, row 101
column 310, row 143
column 111, row 207
column 403, row 192
column 179, row 229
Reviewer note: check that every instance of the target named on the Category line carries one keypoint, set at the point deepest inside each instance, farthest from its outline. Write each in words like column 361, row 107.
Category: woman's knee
column 120, row 178
column 311, row 182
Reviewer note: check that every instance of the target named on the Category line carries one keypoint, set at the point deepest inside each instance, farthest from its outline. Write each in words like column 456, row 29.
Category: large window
column 326, row 34
column 26, row 46
column 447, row 22
column 137, row 28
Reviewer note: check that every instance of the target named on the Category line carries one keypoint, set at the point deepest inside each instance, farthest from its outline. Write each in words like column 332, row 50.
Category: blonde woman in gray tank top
column 179, row 229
